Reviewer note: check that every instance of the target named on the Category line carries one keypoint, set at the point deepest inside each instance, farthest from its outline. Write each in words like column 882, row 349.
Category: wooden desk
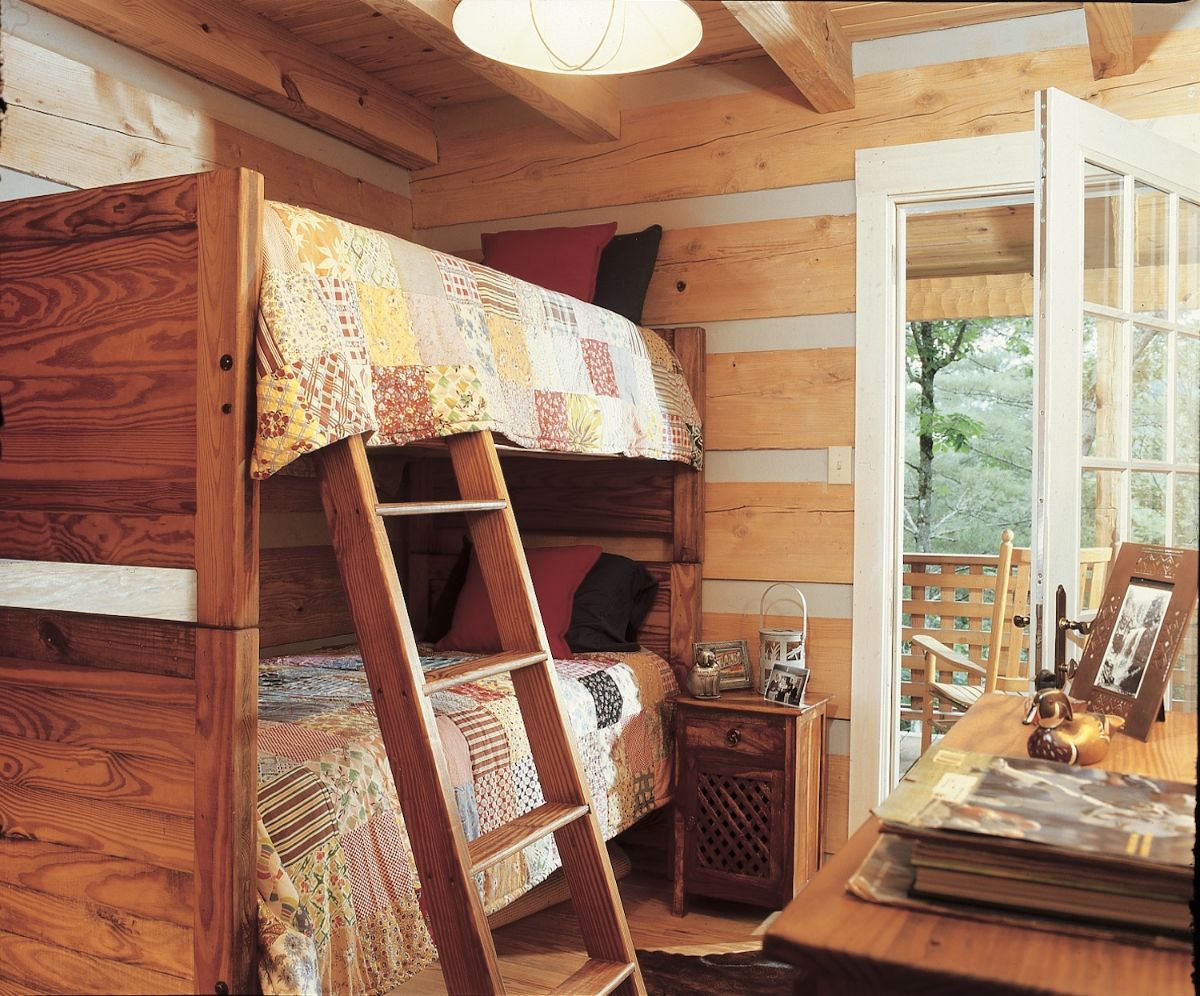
column 855, row 947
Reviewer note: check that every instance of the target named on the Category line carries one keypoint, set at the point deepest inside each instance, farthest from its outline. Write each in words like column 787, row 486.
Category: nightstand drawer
column 754, row 736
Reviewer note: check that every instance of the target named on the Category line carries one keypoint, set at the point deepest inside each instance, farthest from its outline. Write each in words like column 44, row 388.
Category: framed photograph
column 786, row 684
column 1137, row 634
column 733, row 658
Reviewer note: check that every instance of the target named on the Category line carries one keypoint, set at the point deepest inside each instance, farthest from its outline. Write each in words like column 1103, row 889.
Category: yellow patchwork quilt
column 359, row 331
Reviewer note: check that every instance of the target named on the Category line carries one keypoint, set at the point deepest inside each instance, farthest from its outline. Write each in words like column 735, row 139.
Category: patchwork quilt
column 339, row 894
column 359, row 331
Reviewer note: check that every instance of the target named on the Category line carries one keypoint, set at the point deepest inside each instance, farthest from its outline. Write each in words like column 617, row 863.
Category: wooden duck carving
column 1061, row 736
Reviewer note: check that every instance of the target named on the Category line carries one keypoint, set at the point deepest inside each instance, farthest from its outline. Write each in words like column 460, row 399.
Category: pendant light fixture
column 579, row 37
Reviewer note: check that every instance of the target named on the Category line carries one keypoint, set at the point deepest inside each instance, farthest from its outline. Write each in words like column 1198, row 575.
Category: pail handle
column 762, row 605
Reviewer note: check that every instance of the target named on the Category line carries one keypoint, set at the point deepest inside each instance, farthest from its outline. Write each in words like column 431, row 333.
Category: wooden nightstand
column 748, row 813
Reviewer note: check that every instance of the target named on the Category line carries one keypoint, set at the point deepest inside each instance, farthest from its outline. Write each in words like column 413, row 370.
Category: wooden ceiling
column 373, row 71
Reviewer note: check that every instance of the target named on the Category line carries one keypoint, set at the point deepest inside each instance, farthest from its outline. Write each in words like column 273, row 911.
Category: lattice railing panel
column 733, row 824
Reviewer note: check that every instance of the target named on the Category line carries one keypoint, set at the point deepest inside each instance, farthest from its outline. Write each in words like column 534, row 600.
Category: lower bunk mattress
column 339, row 895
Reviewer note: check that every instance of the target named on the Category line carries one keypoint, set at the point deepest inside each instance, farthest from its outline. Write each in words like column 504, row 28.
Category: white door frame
column 886, row 180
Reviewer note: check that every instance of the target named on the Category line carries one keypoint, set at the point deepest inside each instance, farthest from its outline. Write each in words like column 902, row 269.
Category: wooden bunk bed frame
column 128, row 744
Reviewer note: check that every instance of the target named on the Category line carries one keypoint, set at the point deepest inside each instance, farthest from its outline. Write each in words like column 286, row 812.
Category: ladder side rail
column 506, row 577
column 406, row 719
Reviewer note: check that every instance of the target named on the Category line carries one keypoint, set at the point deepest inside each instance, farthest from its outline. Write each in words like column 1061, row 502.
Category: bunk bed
column 129, row 745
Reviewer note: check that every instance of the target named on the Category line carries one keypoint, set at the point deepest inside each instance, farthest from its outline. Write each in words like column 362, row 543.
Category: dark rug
column 746, row 973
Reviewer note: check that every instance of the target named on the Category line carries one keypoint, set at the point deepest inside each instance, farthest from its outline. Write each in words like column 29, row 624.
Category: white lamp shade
column 581, row 37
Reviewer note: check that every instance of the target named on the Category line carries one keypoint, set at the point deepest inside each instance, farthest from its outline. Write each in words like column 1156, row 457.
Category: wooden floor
column 537, row 953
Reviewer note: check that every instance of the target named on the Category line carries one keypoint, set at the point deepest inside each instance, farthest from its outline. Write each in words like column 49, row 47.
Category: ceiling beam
column 224, row 44
column 806, row 43
column 1110, row 38
column 585, row 105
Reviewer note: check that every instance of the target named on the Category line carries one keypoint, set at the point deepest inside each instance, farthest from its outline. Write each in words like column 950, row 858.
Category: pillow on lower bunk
column 557, row 572
column 441, row 613
column 610, row 605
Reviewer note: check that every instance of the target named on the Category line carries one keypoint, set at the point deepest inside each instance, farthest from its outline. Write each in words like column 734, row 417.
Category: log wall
column 755, row 193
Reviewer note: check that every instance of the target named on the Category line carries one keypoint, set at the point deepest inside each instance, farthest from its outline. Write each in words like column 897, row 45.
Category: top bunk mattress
column 362, row 332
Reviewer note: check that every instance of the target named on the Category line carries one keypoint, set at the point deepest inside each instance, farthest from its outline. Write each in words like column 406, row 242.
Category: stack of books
column 1078, row 849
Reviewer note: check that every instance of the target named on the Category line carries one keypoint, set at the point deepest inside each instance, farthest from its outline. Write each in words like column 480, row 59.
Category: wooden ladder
column 446, row 861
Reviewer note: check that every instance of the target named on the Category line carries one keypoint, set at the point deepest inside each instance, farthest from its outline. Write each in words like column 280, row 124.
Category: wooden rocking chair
column 1002, row 669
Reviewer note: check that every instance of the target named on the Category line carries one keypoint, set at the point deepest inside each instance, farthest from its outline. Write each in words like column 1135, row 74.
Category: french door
column 1118, row 340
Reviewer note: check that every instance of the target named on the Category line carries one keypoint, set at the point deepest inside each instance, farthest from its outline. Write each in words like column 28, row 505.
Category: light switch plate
column 841, row 465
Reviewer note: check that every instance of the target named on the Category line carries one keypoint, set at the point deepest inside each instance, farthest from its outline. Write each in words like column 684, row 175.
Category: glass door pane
column 1127, row 289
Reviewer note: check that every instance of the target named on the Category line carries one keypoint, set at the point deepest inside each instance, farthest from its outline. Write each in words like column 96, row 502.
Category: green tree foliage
column 969, row 449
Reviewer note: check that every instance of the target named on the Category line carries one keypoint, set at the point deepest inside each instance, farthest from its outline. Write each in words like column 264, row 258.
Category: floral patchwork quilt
column 339, row 894
column 359, row 331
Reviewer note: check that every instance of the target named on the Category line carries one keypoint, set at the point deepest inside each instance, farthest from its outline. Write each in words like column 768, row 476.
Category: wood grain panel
column 828, row 650
column 780, row 532
column 780, row 399
column 229, row 227
column 69, row 286
column 134, row 722
column 96, row 774
column 224, row 793
column 43, row 967
column 760, row 269
column 97, row 931
column 66, row 283
column 91, row 825
column 767, row 139
column 111, row 643
column 101, row 495
column 837, row 801
column 617, row 497
column 302, row 597
column 130, row 209
column 687, row 493
column 57, row 106
column 148, row 892
column 150, row 541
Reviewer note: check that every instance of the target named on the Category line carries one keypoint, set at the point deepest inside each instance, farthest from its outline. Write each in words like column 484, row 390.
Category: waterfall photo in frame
column 1137, row 634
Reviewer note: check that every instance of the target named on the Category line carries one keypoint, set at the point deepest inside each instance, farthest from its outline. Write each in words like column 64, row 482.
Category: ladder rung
column 596, row 976
column 439, row 507
column 520, row 833
column 439, row 679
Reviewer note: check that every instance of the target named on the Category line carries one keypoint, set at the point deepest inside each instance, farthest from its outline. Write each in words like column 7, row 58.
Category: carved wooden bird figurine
column 1061, row 736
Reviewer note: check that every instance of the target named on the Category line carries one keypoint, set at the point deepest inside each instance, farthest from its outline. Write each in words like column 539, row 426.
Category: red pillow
column 557, row 571
column 561, row 259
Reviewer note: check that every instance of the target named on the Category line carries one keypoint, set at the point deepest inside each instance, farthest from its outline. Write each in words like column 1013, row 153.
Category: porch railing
column 949, row 597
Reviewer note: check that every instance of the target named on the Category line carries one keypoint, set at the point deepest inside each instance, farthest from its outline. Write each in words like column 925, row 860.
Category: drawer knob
column 733, row 737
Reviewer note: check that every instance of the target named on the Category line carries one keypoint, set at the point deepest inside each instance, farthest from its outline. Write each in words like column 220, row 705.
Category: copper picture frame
column 733, row 658
column 1137, row 634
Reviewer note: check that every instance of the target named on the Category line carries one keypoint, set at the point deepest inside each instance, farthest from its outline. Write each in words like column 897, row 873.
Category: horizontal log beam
column 239, row 51
column 807, row 43
column 586, row 106
column 1110, row 38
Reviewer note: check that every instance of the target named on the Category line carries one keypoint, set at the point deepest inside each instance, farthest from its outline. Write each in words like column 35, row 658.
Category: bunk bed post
column 687, row 515
column 229, row 227
column 128, row 788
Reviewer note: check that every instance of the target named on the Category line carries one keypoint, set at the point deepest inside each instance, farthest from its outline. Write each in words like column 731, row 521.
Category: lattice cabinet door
column 747, row 804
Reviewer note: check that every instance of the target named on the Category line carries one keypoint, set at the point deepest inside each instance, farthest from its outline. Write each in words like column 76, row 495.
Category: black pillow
column 626, row 266
column 611, row 603
column 441, row 613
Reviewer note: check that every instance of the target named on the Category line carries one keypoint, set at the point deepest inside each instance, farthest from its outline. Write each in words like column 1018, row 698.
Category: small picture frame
column 786, row 684
column 1137, row 634
column 733, row 658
